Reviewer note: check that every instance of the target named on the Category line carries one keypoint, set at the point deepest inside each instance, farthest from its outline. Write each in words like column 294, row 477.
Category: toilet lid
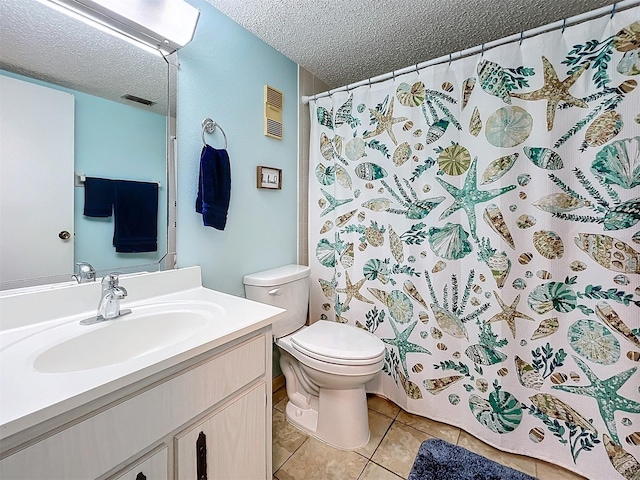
column 338, row 341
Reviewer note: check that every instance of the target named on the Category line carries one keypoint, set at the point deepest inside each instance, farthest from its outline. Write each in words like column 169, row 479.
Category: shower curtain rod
column 517, row 37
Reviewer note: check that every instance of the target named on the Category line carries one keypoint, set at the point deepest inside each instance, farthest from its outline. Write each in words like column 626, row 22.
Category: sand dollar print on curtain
column 483, row 219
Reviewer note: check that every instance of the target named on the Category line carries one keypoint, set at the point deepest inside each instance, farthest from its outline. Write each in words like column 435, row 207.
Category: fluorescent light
column 161, row 25
column 99, row 26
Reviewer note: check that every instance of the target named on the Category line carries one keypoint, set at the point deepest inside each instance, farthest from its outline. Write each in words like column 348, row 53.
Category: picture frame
column 269, row 178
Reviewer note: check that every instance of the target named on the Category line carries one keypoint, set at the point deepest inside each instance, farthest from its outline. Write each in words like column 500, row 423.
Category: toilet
column 325, row 365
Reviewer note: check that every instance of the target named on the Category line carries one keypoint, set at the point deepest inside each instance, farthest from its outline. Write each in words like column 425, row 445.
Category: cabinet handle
column 141, row 476
column 201, row 456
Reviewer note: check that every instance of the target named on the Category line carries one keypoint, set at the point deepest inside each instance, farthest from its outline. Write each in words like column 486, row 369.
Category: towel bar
column 209, row 126
column 81, row 177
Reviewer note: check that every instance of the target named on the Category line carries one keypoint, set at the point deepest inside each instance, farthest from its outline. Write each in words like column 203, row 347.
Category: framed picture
column 269, row 177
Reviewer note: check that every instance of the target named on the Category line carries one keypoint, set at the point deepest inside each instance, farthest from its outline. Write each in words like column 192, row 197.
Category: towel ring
column 209, row 126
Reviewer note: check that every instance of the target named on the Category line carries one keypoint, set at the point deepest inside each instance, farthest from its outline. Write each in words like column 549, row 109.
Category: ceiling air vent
column 273, row 112
column 143, row 101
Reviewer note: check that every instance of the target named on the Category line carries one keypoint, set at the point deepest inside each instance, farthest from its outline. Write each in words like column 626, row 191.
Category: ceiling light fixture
column 160, row 26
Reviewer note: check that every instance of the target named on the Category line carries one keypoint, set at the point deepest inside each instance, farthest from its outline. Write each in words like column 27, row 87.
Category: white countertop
column 29, row 397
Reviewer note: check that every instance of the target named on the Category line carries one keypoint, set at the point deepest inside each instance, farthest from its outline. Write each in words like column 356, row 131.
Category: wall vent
column 273, row 112
column 143, row 101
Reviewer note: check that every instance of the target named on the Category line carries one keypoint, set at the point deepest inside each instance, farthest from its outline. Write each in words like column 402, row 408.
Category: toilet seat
column 338, row 343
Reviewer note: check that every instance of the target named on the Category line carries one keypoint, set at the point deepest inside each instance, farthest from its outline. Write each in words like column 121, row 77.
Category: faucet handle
column 86, row 273
column 111, row 279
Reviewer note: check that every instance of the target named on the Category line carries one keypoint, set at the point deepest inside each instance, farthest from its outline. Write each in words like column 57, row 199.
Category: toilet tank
column 285, row 287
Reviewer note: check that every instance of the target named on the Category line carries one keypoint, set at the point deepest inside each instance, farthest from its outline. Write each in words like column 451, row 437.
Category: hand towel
column 98, row 197
column 135, row 216
column 214, row 187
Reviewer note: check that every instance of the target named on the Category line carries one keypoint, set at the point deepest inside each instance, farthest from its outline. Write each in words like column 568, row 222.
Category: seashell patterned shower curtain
column 482, row 218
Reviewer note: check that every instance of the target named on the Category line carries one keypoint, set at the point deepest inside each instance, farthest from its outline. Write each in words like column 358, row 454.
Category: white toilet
column 325, row 365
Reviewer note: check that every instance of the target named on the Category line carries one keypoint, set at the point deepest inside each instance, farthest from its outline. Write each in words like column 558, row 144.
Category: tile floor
column 395, row 438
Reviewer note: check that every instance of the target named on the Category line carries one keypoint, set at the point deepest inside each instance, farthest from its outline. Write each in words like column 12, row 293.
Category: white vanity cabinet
column 152, row 432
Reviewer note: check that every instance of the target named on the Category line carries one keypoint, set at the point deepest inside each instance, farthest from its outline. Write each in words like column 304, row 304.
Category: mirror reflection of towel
column 98, row 197
column 214, row 187
column 135, row 216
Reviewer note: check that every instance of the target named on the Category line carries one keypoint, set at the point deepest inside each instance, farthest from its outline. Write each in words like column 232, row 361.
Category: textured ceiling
column 345, row 41
column 38, row 41
column 340, row 41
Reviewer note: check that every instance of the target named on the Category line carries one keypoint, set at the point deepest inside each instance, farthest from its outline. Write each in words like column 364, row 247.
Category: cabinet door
column 235, row 439
column 153, row 468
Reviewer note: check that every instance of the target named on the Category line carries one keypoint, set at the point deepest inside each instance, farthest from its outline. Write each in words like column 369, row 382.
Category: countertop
column 29, row 397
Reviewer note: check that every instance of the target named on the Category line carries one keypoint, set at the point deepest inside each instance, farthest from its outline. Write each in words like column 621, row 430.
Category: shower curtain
column 481, row 217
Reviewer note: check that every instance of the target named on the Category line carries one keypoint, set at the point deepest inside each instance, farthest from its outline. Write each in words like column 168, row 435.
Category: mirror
column 115, row 137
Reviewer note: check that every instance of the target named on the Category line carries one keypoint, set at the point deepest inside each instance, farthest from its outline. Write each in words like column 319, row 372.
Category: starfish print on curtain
column 404, row 346
column 509, row 314
column 555, row 91
column 467, row 197
column 385, row 123
column 605, row 392
column 333, row 202
column 352, row 291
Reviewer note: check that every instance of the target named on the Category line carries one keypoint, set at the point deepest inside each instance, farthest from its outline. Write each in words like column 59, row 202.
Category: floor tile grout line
column 363, row 469
column 299, row 446
column 382, row 438
column 385, row 468
column 292, row 454
column 379, row 465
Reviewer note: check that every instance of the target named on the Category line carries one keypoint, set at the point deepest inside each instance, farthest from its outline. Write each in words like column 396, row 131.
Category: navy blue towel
column 98, row 197
column 135, row 216
column 214, row 187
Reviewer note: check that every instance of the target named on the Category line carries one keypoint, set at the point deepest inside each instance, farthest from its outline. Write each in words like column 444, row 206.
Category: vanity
column 178, row 389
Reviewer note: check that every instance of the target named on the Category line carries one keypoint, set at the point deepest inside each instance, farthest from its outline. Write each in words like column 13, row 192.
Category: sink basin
column 146, row 330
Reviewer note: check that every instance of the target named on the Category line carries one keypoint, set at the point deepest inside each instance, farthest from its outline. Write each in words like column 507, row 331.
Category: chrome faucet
column 109, row 306
column 86, row 273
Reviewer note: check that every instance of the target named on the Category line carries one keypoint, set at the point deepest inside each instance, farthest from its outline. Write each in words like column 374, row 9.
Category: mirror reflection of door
column 36, row 181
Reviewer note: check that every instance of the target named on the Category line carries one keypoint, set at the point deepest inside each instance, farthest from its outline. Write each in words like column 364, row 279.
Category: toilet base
column 343, row 422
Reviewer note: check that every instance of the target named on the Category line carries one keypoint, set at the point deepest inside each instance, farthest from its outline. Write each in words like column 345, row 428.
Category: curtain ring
column 613, row 10
column 369, row 80
column 564, row 24
column 417, row 71
column 330, row 95
column 450, row 58
column 521, row 37
column 393, row 74
column 482, row 51
column 315, row 98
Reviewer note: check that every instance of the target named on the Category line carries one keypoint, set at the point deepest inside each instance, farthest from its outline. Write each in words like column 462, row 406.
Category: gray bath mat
column 439, row 460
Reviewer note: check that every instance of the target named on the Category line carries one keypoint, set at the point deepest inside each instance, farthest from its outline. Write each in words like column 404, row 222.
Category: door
column 234, row 439
column 36, row 181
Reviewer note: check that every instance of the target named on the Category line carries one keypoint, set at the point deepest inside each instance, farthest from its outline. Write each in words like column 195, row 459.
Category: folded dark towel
column 135, row 216
column 214, row 187
column 98, row 197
